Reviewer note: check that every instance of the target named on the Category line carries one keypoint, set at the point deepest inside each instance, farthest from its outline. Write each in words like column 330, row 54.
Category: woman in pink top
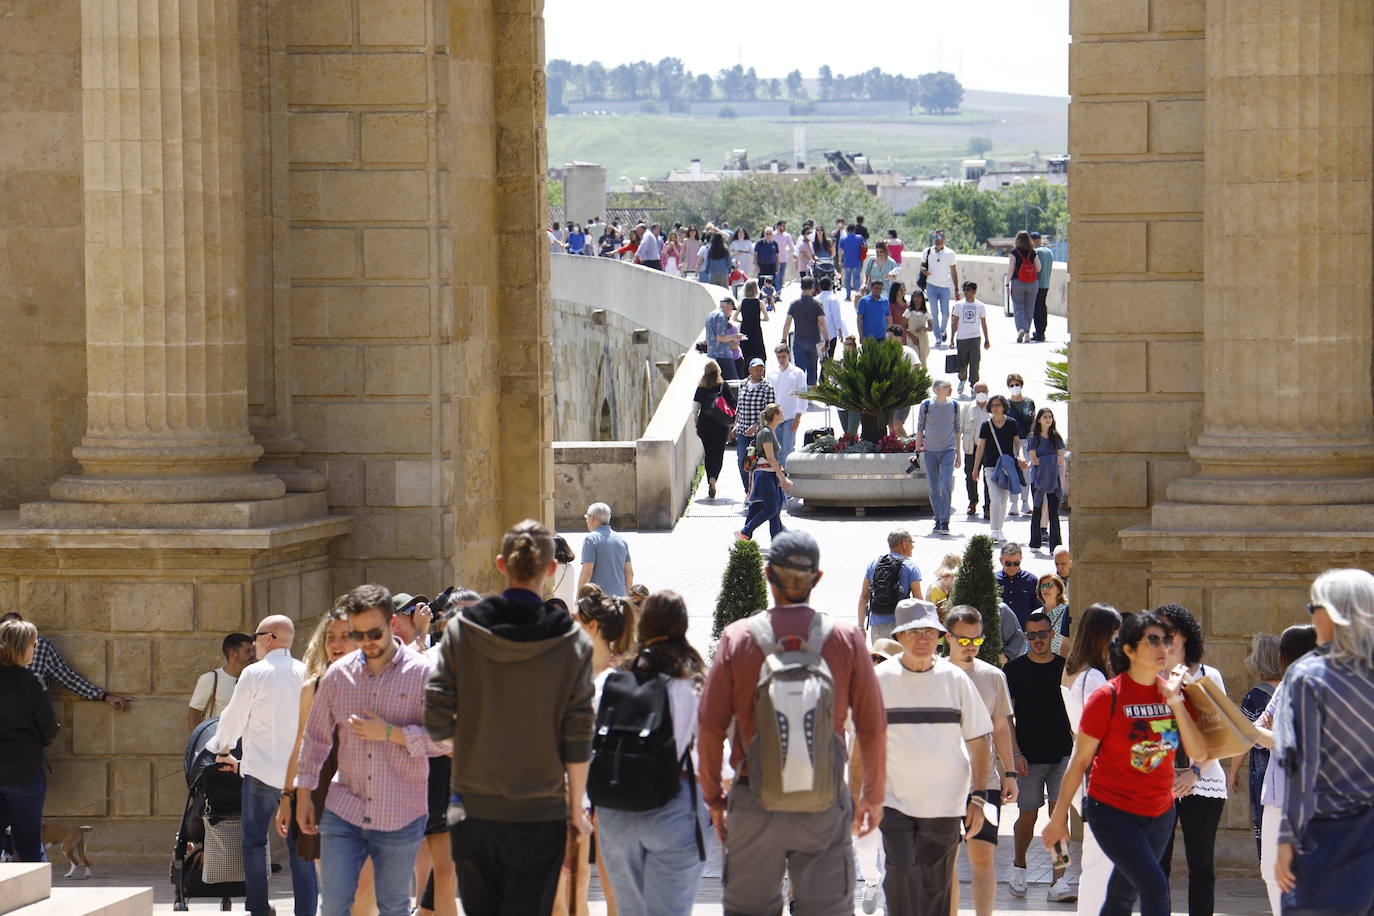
column 691, row 242
column 894, row 246
column 672, row 256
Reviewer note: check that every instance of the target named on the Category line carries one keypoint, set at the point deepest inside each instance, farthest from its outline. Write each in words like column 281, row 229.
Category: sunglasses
column 1047, row 585
column 266, row 633
column 970, row 640
column 371, row 635
column 1156, row 640
column 1012, row 563
column 1037, row 634
column 1312, row 608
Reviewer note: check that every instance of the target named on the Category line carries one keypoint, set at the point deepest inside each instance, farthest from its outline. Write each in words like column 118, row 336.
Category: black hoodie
column 513, row 689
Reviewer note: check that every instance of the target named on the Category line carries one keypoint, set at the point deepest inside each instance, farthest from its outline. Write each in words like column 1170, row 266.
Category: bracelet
column 388, row 731
column 1014, row 756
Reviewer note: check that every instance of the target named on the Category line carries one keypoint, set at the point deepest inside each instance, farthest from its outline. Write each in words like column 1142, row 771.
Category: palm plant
column 1057, row 375
column 872, row 381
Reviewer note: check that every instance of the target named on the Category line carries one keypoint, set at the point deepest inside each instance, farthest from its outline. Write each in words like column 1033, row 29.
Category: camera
column 914, row 464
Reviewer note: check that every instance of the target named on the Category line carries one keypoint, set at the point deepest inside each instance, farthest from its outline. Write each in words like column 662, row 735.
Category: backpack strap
column 761, row 629
column 821, row 628
column 696, row 814
column 214, row 694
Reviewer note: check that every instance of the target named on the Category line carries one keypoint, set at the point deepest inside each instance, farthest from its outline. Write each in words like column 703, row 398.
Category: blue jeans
column 787, row 440
column 1023, row 304
column 937, row 300
column 651, row 856
column 804, row 355
column 851, row 278
column 765, row 505
column 780, row 279
column 940, row 473
column 1134, row 843
column 21, row 808
column 343, row 850
column 259, row 802
column 742, row 443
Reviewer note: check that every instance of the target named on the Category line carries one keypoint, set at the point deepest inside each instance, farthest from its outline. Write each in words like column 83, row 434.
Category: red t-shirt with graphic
column 1133, row 769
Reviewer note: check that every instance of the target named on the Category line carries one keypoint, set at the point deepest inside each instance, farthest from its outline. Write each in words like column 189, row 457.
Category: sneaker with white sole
column 870, row 898
column 1062, row 891
column 1017, row 885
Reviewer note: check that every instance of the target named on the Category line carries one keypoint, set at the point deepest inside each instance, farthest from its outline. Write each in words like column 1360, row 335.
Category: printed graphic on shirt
column 1153, row 739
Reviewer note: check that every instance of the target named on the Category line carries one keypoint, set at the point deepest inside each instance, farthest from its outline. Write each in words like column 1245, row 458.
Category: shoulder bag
column 721, row 410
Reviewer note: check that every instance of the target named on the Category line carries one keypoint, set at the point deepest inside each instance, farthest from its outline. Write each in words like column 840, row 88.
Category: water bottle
column 456, row 811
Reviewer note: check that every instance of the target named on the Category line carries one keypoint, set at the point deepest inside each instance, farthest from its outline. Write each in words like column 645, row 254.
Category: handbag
column 721, row 410
column 223, row 859
column 951, row 363
column 925, row 268
column 1220, row 734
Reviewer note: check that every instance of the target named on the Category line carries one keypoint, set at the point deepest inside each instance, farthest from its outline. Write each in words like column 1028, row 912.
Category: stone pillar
column 1287, row 260
column 165, row 316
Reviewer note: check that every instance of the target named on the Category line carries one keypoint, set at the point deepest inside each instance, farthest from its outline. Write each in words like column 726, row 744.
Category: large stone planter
column 832, row 480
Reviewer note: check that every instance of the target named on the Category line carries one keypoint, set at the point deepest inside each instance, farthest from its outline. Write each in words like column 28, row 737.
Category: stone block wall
column 1135, row 133
column 42, row 299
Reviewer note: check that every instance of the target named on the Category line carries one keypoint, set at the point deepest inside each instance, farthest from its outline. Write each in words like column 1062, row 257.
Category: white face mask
column 1014, row 390
column 981, row 397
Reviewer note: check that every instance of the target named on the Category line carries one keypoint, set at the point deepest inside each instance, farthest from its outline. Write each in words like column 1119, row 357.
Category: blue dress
column 1045, row 474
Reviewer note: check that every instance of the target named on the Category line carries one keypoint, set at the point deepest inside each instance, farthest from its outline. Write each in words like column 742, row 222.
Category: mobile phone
column 1059, row 857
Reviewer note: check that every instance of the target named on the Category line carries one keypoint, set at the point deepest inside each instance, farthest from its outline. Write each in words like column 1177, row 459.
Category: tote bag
column 1220, row 734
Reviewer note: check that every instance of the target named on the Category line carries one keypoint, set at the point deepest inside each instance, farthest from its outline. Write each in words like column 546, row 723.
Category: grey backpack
column 795, row 757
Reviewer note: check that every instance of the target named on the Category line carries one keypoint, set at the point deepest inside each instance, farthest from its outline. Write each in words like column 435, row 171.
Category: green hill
column 649, row 145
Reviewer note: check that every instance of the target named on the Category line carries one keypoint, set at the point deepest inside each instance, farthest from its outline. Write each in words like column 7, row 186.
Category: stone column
column 1287, row 240
column 165, row 316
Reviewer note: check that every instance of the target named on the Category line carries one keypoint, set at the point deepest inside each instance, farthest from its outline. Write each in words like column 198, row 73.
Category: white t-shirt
column 938, row 265
column 930, row 716
column 1076, row 694
column 223, row 688
column 992, row 687
column 834, row 320
column 971, row 315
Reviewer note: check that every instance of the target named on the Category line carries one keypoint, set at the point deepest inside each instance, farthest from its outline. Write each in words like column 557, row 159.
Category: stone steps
column 26, row 890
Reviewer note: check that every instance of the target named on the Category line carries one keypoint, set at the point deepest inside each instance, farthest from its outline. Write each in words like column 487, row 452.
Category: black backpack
column 885, row 589
column 634, row 766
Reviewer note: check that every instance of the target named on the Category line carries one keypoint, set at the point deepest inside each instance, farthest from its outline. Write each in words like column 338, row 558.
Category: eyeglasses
column 260, row 633
column 1156, row 640
column 970, row 640
column 1312, row 608
column 371, row 635
column 1046, row 585
column 1037, row 634
column 1012, row 563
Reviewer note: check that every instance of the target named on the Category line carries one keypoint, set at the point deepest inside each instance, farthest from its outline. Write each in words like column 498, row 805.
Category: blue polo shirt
column 874, row 316
column 911, row 573
column 1021, row 593
column 852, row 247
column 609, row 553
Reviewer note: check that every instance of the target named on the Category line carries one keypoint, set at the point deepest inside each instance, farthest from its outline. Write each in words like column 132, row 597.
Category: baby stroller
column 214, row 801
column 822, row 268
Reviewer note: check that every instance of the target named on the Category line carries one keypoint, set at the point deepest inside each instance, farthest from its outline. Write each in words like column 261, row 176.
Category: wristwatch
column 287, row 794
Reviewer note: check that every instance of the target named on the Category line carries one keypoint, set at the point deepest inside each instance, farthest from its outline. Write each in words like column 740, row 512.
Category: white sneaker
column 996, row 536
column 870, row 899
column 1017, row 886
column 1062, row 892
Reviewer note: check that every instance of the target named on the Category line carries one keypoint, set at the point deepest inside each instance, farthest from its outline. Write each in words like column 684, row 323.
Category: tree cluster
column 668, row 84
column 755, row 201
column 969, row 217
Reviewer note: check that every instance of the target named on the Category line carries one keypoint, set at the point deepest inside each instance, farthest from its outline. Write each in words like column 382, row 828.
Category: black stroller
column 213, row 795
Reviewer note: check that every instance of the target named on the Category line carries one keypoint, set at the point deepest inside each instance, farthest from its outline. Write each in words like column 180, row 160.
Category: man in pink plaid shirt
column 373, row 700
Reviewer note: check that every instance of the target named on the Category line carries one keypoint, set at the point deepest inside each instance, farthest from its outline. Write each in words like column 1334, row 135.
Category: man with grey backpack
column 789, row 809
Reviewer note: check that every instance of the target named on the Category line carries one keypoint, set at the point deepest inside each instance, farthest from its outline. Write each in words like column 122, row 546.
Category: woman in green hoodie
column 513, row 690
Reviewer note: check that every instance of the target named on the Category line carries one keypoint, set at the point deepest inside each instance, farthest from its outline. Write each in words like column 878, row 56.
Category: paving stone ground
column 691, row 558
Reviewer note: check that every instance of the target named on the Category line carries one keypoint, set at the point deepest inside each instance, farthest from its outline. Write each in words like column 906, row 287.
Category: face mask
column 1014, row 390
column 981, row 397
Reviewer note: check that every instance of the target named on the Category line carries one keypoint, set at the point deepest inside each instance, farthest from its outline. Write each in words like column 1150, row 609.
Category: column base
column 281, row 457
column 234, row 515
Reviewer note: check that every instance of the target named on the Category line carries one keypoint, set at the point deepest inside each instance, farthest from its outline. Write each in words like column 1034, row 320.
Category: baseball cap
column 756, row 362
column 795, row 550
column 403, row 603
column 915, row 614
column 1035, row 235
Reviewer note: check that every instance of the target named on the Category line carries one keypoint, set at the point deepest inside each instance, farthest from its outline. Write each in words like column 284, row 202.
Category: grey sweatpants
column 816, row 850
column 970, row 351
column 921, row 854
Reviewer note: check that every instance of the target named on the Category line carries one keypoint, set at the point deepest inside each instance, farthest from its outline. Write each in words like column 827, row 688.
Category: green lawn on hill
column 649, row 145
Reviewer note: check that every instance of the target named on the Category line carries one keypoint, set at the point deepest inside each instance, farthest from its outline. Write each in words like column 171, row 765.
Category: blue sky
column 998, row 45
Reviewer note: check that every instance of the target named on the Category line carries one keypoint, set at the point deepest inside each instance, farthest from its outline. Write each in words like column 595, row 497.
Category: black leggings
column 712, row 436
column 1199, row 817
column 1054, row 533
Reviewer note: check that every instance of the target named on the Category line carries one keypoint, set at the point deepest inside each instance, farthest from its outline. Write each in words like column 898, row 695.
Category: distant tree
column 555, row 192
column 978, row 146
column 969, row 217
column 645, row 78
column 727, row 111
column 758, row 200
column 939, row 92
column 668, row 77
column 731, row 80
column 597, row 81
column 554, row 88
column 703, row 88
column 749, row 85
column 794, row 85
column 826, row 81
column 622, row 81
column 649, row 106
column 773, row 88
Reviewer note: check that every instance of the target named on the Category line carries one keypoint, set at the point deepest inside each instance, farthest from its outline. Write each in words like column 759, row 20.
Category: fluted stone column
column 165, row 315
column 1287, row 238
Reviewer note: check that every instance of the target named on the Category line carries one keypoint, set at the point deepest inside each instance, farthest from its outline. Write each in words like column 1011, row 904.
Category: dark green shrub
column 742, row 588
column 976, row 586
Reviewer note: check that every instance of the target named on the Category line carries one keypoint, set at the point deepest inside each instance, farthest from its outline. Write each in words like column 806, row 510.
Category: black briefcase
column 811, row 435
column 951, row 363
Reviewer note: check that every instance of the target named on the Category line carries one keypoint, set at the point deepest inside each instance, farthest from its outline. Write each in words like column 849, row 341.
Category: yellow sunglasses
column 970, row 641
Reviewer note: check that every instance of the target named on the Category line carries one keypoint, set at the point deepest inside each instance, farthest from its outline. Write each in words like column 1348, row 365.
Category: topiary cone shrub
column 743, row 590
column 976, row 586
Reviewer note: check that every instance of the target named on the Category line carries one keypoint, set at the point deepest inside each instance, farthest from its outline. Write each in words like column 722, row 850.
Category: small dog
column 71, row 839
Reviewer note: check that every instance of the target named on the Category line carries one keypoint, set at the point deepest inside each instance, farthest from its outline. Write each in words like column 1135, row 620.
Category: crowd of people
column 479, row 748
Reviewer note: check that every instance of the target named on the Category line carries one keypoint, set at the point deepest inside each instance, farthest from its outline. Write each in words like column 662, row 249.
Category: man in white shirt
column 942, row 278
column 788, row 381
column 786, row 245
column 964, row 636
column 264, row 713
column 834, row 318
column 650, row 251
column 968, row 317
column 214, row 689
column 937, row 728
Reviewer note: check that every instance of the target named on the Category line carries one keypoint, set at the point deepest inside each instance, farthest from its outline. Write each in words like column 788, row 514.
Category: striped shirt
column 1324, row 739
column 931, row 717
column 380, row 785
column 49, row 665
